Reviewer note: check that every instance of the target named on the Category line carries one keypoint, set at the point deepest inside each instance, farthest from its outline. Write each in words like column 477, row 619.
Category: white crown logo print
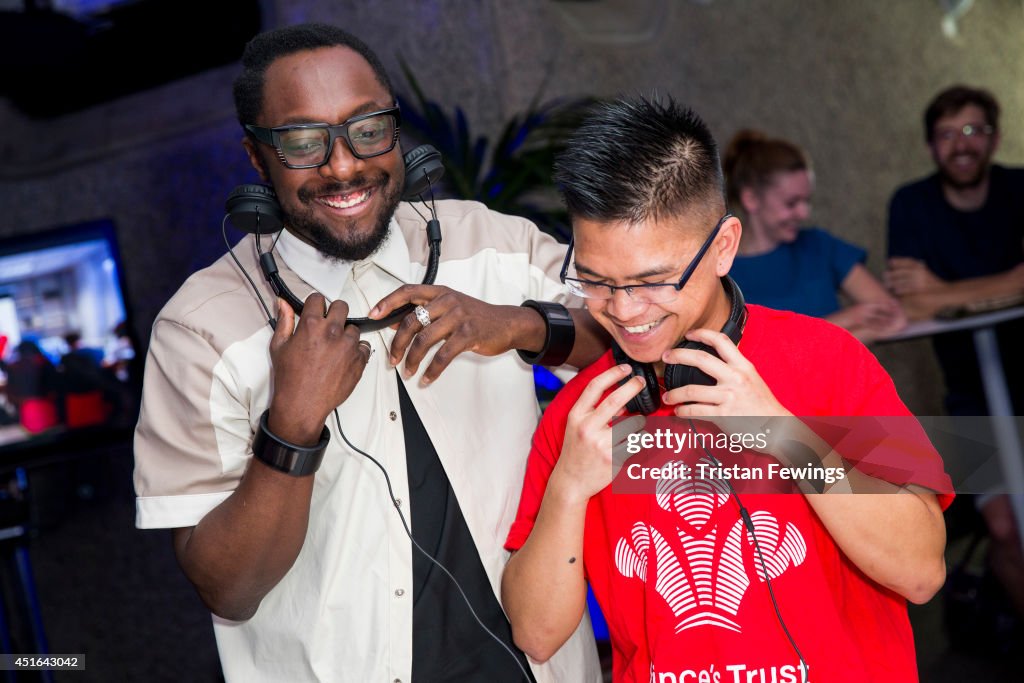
column 704, row 587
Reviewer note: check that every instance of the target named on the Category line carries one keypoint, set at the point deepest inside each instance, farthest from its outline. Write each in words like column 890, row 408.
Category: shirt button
column 392, row 416
column 398, row 680
column 398, row 502
column 399, row 592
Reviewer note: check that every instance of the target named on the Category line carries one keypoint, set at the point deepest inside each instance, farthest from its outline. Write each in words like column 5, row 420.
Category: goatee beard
column 350, row 247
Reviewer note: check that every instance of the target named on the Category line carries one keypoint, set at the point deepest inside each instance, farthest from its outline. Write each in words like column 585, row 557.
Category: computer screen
column 68, row 355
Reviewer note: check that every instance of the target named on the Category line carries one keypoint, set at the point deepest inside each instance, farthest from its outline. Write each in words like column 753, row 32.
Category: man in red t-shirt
column 700, row 582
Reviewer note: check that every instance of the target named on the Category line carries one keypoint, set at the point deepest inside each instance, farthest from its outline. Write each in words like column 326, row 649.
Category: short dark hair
column 953, row 99
column 271, row 45
column 640, row 158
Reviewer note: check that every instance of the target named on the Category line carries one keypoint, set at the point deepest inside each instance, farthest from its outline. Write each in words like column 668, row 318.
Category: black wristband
column 559, row 338
column 286, row 457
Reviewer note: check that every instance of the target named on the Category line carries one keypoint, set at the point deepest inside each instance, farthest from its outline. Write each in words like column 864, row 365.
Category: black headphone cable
column 271, row 320
column 749, row 524
column 415, row 544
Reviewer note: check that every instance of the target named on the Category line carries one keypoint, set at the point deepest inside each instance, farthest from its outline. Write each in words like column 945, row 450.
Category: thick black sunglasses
column 309, row 145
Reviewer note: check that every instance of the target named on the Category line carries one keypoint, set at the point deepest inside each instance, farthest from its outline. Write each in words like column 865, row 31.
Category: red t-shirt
column 677, row 576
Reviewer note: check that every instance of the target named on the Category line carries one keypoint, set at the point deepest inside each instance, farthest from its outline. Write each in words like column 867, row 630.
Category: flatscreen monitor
column 68, row 355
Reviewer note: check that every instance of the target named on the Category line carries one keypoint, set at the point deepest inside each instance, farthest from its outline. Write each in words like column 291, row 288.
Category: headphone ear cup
column 647, row 401
column 423, row 168
column 253, row 208
column 681, row 375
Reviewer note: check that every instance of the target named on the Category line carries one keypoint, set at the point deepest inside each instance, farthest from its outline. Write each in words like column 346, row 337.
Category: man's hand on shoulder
column 457, row 322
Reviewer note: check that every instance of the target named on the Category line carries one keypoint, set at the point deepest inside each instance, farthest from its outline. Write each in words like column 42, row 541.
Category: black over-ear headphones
column 649, row 398
column 254, row 208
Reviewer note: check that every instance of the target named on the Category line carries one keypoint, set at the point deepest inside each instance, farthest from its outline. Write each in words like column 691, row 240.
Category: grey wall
column 846, row 80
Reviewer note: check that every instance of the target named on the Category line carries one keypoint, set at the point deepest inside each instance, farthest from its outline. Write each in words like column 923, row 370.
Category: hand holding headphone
column 649, row 399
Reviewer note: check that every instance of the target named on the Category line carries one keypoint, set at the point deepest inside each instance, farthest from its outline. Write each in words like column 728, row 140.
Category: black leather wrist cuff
column 286, row 457
column 560, row 336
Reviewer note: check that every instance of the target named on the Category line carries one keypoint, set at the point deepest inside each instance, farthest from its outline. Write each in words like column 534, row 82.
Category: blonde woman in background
column 782, row 263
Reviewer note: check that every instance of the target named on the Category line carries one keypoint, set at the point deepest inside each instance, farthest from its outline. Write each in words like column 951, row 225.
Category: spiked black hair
column 640, row 158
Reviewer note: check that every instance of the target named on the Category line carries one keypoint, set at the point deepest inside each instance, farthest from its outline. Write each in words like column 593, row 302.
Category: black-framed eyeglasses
column 309, row 145
column 968, row 130
column 653, row 293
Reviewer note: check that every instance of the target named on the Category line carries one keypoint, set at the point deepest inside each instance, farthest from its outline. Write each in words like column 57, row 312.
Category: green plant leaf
column 513, row 173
